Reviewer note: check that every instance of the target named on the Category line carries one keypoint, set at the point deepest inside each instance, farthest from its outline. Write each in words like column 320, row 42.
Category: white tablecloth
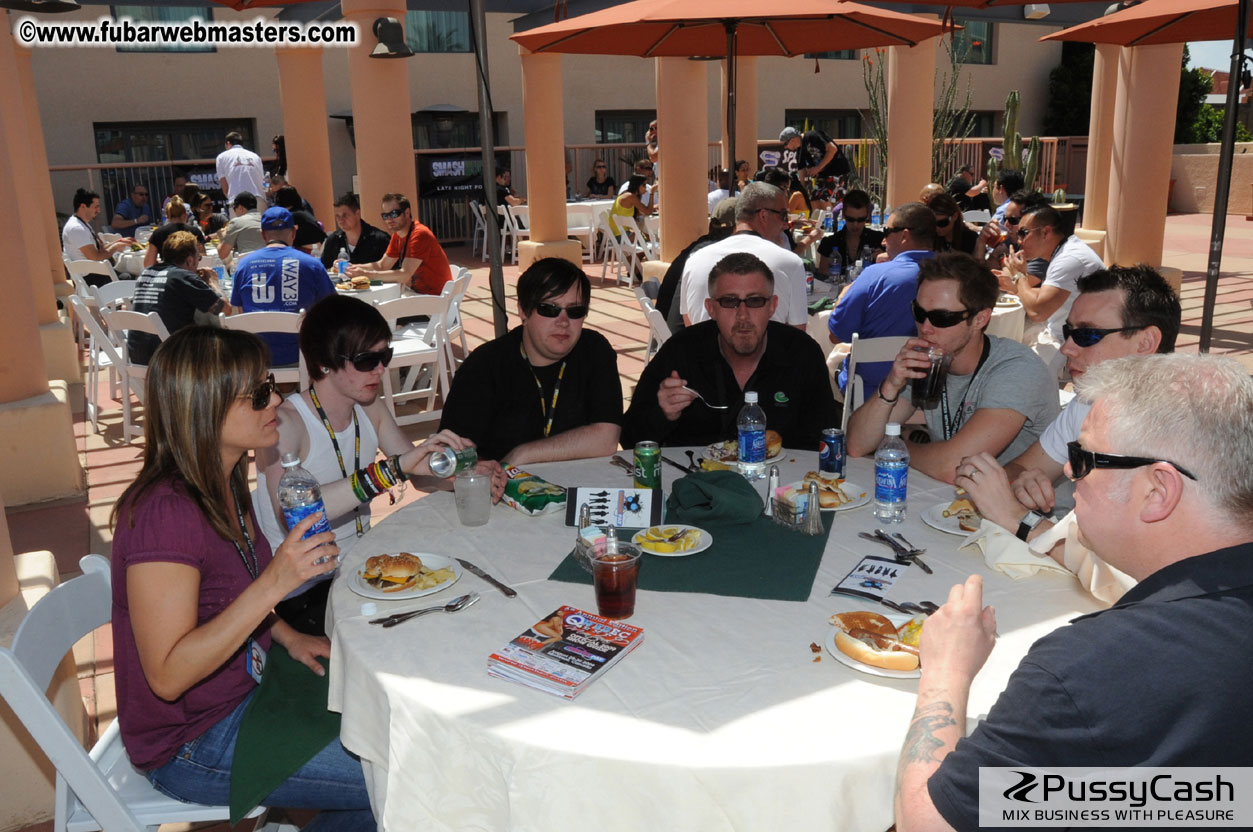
column 721, row 720
column 1008, row 322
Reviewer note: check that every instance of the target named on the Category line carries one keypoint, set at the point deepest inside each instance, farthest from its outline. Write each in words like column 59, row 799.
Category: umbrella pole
column 487, row 139
column 1223, row 189
column 731, row 26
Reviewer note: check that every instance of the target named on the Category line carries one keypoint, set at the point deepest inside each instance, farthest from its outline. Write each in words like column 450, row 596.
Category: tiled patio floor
column 73, row 529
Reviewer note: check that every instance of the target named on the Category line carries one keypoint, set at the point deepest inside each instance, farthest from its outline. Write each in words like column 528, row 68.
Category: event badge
column 254, row 655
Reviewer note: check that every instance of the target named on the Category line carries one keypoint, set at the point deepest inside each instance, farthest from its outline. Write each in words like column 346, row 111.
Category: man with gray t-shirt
column 998, row 397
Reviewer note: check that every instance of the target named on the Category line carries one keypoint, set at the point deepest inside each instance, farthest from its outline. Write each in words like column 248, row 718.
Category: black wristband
column 879, row 392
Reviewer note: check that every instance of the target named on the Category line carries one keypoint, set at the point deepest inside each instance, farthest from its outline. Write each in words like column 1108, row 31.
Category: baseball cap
column 724, row 212
column 789, row 133
column 276, row 219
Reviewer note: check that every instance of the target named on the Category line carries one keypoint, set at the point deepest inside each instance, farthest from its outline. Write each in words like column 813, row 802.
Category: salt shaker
column 772, row 485
column 813, row 512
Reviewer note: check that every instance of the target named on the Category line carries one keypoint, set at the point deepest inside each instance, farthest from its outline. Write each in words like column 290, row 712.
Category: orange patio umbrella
column 727, row 29
column 1177, row 21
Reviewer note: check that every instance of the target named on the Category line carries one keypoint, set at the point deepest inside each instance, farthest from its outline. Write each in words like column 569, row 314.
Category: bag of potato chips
column 531, row 495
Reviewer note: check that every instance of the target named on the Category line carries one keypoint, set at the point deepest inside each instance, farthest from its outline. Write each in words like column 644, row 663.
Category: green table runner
column 760, row 559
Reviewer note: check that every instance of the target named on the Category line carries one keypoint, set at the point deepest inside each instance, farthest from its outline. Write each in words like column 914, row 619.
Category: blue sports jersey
column 280, row 279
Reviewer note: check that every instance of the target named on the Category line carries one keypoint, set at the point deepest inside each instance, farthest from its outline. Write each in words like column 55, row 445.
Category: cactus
column 1059, row 196
column 1015, row 158
column 1031, row 162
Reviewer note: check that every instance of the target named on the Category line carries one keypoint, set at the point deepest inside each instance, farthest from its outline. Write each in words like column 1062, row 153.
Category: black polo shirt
column 1159, row 679
column 495, row 403
column 371, row 246
column 791, row 383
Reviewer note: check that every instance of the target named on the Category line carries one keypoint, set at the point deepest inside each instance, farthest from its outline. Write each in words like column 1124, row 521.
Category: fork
column 706, row 401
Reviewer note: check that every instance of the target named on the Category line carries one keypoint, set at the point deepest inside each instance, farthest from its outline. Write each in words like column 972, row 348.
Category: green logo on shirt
column 780, row 397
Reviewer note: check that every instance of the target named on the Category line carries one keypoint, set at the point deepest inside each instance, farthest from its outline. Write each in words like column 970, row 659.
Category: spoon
column 705, row 401
column 692, row 464
column 455, row 605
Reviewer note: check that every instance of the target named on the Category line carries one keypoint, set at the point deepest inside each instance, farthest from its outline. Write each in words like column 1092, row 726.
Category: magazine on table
column 565, row 651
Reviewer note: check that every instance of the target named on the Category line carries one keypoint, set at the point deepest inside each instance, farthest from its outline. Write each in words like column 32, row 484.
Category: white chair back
column 866, row 350
column 419, row 359
column 581, row 225
column 86, row 267
column 100, row 789
column 977, row 216
column 102, row 354
column 118, row 293
column 658, row 329
column 456, row 290
column 119, row 323
column 279, row 323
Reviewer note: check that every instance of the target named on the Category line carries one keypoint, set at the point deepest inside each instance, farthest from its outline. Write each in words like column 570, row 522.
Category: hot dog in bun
column 392, row 573
column 872, row 639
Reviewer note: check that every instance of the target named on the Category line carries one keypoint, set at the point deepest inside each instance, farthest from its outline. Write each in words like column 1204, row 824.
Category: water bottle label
column 297, row 513
column 890, row 483
column 752, row 445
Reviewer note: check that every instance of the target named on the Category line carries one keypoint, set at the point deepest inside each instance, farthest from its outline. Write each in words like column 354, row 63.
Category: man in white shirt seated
column 79, row 240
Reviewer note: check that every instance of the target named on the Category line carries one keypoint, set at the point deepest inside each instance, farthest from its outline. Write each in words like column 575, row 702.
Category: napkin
column 713, row 497
column 283, row 727
column 821, row 305
column 1007, row 554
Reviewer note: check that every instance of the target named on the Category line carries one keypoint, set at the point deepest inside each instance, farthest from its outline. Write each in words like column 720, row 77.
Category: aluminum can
column 446, row 462
column 647, row 465
column 831, row 454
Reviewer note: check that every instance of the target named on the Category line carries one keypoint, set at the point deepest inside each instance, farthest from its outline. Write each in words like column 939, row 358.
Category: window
column 163, row 14
column 839, row 55
column 450, row 129
column 976, row 38
column 838, row 124
column 163, row 141
column 438, row 31
column 622, row 126
column 988, row 123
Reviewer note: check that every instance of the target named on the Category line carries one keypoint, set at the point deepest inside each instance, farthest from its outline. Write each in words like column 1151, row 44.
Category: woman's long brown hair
column 194, row 378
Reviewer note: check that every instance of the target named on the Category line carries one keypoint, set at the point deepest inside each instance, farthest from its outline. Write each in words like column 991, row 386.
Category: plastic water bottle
column 867, row 258
column 891, row 473
column 833, row 270
column 341, row 261
column 751, row 427
column 827, row 223
column 300, row 495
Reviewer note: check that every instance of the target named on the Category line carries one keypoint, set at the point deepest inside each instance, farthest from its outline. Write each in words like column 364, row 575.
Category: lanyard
column 546, row 410
column 253, row 568
column 356, row 454
column 953, row 424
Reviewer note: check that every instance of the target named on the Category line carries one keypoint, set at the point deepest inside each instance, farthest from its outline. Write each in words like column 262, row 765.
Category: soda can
column 831, row 454
column 446, row 462
column 647, row 465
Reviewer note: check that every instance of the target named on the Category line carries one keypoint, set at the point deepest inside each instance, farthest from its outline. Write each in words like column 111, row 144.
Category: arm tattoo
column 921, row 744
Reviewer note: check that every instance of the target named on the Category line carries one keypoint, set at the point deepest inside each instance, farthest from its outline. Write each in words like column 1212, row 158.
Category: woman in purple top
column 195, row 582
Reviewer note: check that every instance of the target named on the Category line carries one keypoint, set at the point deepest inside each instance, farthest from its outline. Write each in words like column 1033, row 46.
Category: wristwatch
column 1028, row 522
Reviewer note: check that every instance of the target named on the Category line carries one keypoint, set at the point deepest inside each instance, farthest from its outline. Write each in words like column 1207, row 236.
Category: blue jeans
column 332, row 781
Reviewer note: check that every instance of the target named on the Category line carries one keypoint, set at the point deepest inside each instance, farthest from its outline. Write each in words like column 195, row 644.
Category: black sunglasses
column 261, row 395
column 732, row 302
column 940, row 318
column 889, row 230
column 552, row 310
column 942, row 222
column 1083, row 461
column 364, row 362
column 781, row 213
column 847, row 218
column 1012, row 220
column 1023, row 232
column 1088, row 336
column 391, row 215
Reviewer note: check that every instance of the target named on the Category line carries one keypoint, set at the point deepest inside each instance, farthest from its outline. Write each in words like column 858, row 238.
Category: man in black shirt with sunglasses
column 998, row 396
column 740, row 349
column 546, row 390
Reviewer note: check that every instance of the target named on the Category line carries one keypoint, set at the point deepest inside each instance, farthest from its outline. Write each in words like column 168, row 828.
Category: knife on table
column 509, row 592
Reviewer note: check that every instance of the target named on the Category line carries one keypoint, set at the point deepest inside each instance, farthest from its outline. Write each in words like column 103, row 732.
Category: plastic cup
column 614, row 575
column 928, row 389
column 473, row 491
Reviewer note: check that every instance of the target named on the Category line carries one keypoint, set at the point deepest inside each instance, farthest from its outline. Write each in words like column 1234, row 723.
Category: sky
column 1212, row 54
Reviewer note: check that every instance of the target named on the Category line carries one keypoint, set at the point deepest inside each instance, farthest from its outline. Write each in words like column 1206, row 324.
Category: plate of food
column 391, row 577
column 1007, row 302
column 879, row 645
column 656, row 540
column 354, row 284
column 833, row 495
column 729, row 449
column 957, row 517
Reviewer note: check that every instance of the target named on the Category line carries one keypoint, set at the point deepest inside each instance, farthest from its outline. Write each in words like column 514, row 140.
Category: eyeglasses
column 847, row 218
column 1088, row 336
column 260, row 397
column 391, row 215
column 598, row 167
column 1023, row 232
column 1082, row 462
column 732, row 302
column 942, row 222
column 781, row 213
column 364, row 362
column 552, row 310
column 889, row 230
column 1011, row 220
column 940, row 318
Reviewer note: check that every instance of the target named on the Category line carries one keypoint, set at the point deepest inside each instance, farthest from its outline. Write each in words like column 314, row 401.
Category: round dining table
column 731, row 715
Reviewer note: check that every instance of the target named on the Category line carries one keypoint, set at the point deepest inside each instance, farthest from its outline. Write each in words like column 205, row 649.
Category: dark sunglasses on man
column 940, row 318
column 391, row 215
column 1089, row 336
column 364, row 362
column 732, row 302
column 1083, row 461
column 861, row 220
column 552, row 310
column 260, row 396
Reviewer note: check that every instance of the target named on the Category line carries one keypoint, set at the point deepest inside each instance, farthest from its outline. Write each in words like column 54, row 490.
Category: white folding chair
column 101, row 789
column 865, row 350
column 102, row 354
column 977, row 216
column 478, row 238
column 419, row 355
column 118, row 323
column 626, row 252
column 644, row 245
column 519, row 219
column 481, row 217
column 658, row 330
column 581, row 225
column 118, row 294
column 86, row 267
column 455, row 290
column 278, row 323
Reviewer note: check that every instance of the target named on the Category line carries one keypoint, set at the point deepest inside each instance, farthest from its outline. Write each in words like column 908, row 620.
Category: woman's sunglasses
column 1087, row 336
column 1082, row 461
column 364, row 362
column 940, row 318
column 942, row 222
column 552, row 310
column 260, row 396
